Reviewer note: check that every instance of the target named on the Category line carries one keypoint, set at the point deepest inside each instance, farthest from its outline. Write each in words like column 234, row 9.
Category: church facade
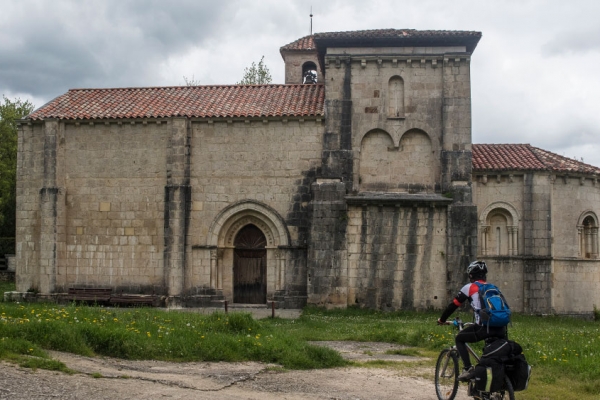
column 354, row 183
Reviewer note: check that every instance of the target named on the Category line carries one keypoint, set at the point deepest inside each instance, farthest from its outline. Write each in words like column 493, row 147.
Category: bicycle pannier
column 519, row 372
column 489, row 375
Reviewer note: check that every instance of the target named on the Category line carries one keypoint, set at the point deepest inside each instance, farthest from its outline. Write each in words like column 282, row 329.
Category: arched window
column 588, row 236
column 499, row 230
column 396, row 97
column 309, row 72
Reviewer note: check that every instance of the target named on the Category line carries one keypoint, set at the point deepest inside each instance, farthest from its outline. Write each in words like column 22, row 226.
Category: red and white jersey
column 470, row 292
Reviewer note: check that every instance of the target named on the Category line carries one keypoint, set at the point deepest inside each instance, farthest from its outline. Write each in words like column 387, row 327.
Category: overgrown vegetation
column 563, row 351
column 10, row 112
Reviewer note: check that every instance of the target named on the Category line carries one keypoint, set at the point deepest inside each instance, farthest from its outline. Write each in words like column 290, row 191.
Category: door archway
column 250, row 266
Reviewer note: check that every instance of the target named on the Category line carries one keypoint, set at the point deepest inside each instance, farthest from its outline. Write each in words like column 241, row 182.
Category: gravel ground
column 113, row 379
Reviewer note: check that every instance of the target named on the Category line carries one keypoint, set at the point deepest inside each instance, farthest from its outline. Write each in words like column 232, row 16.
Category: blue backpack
column 494, row 308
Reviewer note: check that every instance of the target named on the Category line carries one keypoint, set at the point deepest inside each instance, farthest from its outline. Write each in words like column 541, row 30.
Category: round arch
column 230, row 220
column 509, row 209
column 586, row 214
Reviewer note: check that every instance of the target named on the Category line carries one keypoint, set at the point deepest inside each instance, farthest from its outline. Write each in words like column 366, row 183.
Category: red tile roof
column 186, row 101
column 524, row 157
column 306, row 43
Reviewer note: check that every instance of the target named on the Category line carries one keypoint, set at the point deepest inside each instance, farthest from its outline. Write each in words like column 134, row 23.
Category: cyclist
column 477, row 272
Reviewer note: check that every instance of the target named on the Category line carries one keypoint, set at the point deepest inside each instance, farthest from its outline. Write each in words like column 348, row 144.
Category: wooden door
column 250, row 266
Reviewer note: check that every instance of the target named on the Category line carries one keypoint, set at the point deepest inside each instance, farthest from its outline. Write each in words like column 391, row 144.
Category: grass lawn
column 564, row 352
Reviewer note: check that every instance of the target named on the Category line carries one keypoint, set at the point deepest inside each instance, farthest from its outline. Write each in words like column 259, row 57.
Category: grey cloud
column 572, row 42
column 116, row 44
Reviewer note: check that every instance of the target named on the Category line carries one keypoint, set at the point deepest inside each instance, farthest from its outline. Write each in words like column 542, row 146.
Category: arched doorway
column 250, row 266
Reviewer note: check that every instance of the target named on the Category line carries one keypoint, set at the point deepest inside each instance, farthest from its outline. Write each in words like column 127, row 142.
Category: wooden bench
column 135, row 300
column 98, row 295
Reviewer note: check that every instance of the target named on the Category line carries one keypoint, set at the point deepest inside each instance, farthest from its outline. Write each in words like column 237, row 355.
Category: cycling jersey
column 470, row 292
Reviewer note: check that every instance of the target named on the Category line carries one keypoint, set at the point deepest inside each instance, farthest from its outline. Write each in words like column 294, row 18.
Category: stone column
column 581, row 241
column 213, row 269
column 514, row 237
column 220, row 254
column 484, row 240
column 594, row 242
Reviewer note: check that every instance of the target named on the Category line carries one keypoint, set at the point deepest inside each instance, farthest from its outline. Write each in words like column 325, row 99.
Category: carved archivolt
column 228, row 223
column 506, row 207
column 586, row 214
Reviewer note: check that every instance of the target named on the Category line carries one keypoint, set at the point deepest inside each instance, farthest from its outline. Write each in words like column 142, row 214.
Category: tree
column 256, row 74
column 191, row 82
column 10, row 112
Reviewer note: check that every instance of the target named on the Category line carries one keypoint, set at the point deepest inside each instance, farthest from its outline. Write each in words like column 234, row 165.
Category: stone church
column 354, row 183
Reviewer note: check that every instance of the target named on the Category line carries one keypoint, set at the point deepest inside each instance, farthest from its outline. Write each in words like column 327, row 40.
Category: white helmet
column 477, row 268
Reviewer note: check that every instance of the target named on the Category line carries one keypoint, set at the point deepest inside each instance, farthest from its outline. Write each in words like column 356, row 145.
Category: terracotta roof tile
column 524, row 157
column 186, row 101
column 306, row 43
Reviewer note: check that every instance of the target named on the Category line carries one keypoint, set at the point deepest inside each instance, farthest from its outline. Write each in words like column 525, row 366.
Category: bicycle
column 447, row 371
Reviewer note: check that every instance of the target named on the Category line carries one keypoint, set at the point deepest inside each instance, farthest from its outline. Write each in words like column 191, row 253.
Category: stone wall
column 133, row 205
column 30, row 174
column 508, row 274
column 572, row 197
column 115, row 202
column 252, row 171
column 395, row 255
column 547, row 272
column 575, row 285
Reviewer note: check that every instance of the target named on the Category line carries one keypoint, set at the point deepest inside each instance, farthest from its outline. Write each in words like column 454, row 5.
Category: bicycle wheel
column 507, row 394
column 446, row 375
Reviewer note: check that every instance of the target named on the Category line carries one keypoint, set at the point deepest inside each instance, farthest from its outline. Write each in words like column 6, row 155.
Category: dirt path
column 113, row 379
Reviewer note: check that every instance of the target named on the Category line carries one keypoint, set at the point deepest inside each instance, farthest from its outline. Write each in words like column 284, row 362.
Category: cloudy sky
column 535, row 72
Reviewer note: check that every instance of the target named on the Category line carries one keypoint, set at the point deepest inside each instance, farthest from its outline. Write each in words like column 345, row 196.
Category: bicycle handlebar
column 458, row 323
